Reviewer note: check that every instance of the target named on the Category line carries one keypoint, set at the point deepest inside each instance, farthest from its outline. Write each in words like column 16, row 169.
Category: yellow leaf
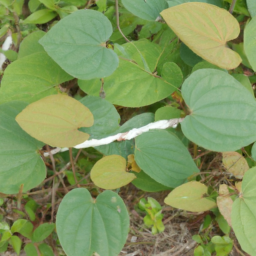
column 235, row 163
column 190, row 197
column 132, row 165
column 110, row 172
column 55, row 120
column 205, row 29
column 225, row 203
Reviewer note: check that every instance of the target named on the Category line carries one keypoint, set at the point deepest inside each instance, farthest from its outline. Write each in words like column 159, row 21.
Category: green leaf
column 217, row 121
column 131, row 85
column 244, row 80
column 207, row 39
column 33, row 5
column 50, row 4
column 10, row 55
column 172, row 3
column 253, row 151
column 77, row 44
column 166, row 113
column 188, row 56
column 223, row 245
column 86, row 226
column 40, row 17
column 30, row 44
column 55, row 120
column 147, row 10
column 239, row 48
column 146, row 183
column 164, row 158
column 106, row 117
column 30, row 250
column 16, row 243
column 23, row 227
column 251, row 4
column 110, row 172
column 20, row 161
column 42, row 232
column 45, row 250
column 102, row 5
column 243, row 213
column 249, row 42
column 35, row 75
column 30, row 208
column 190, row 197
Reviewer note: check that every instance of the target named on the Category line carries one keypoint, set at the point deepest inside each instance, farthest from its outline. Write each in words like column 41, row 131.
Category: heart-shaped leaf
column 243, row 213
column 217, row 121
column 55, row 120
column 133, row 84
column 205, row 29
column 190, row 197
column 164, row 158
column 86, row 226
column 20, row 161
column 110, row 173
column 77, row 43
column 147, row 10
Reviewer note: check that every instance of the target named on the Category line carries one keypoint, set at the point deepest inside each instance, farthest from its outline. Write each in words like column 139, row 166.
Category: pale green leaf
column 243, row 213
column 251, row 4
column 20, row 161
column 205, row 29
column 190, row 197
column 55, row 120
column 77, row 44
column 110, row 173
column 250, row 43
column 217, row 121
column 35, row 76
column 147, row 10
column 164, row 158
column 86, row 225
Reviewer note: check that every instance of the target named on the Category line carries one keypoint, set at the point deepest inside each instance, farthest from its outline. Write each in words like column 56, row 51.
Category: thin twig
column 238, row 250
column 118, row 24
column 232, row 6
column 73, row 166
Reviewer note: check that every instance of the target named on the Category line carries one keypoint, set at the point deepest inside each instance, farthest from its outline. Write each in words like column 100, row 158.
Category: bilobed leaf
column 55, row 120
column 164, row 158
column 205, row 29
column 225, row 203
column 106, row 117
column 217, row 121
column 40, row 17
column 77, row 44
column 86, row 226
column 30, row 44
column 249, row 42
column 235, row 163
column 134, row 83
column 243, row 213
column 172, row 3
column 190, row 197
column 147, row 10
column 20, row 161
column 110, row 172
column 31, row 78
column 251, row 4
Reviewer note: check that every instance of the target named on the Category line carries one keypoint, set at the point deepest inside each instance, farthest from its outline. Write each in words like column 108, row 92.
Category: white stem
column 6, row 45
column 163, row 124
